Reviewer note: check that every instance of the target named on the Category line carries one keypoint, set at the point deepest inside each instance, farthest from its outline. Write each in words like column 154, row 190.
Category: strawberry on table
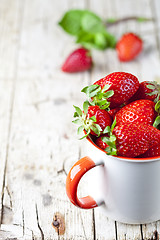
column 134, row 139
column 140, row 111
column 129, row 46
column 78, row 61
column 92, row 119
column 124, row 86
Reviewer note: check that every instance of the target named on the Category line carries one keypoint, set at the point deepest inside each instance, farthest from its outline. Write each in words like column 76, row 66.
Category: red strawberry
column 140, row 111
column 100, row 143
column 152, row 152
column 147, row 90
column 123, row 84
column 103, row 118
column 135, row 139
column 113, row 111
column 78, row 61
column 129, row 46
column 92, row 119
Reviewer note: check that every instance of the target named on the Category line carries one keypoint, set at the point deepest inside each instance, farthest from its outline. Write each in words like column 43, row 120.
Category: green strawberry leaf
column 91, row 23
column 150, row 86
column 100, row 41
column 113, row 125
column 80, row 130
column 107, row 130
column 93, row 118
column 156, row 122
column 78, row 111
column 71, row 21
column 157, row 107
column 85, row 106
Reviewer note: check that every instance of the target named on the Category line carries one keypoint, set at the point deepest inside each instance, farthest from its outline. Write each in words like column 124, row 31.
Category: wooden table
column 38, row 142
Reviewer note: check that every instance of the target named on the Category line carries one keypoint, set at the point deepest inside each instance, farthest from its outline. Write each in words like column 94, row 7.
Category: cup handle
column 72, row 181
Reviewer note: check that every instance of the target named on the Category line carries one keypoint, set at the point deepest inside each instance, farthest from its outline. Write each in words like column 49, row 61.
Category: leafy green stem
column 113, row 21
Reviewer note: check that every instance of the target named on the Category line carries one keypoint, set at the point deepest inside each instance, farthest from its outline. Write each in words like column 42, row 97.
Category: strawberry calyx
column 86, row 123
column 98, row 96
column 157, row 120
column 155, row 87
column 111, row 140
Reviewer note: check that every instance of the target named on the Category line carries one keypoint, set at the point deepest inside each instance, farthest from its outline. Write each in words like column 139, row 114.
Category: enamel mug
column 126, row 189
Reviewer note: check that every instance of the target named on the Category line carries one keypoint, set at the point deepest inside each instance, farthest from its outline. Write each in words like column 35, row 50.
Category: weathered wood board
column 38, row 142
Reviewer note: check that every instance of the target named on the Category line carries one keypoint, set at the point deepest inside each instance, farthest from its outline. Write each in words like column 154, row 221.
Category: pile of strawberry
column 122, row 116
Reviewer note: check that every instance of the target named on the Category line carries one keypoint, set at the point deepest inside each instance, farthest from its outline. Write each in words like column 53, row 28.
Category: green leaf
column 107, row 130
column 85, row 106
column 150, row 86
column 91, row 23
column 111, row 151
column 156, row 122
column 143, row 19
column 91, row 90
column 77, row 121
column 80, row 130
column 95, row 130
column 78, row 111
column 112, row 138
column 110, row 39
column 113, row 125
column 106, row 87
column 85, row 135
column 157, row 106
column 100, row 41
column 71, row 21
column 93, row 118
column 75, row 114
column 108, row 94
column 111, row 20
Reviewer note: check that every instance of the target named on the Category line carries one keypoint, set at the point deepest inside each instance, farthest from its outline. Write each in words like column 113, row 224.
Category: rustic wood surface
column 38, row 142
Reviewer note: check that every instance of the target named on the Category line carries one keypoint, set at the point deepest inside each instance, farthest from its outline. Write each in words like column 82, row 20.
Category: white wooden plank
column 41, row 128
column 5, row 98
column 9, row 31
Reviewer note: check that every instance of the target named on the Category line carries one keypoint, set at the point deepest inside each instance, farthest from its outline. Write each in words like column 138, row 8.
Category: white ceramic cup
column 128, row 188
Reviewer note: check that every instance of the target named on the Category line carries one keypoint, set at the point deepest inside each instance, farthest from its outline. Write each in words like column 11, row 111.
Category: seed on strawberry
column 147, row 90
column 78, row 61
column 152, row 152
column 92, row 119
column 135, row 139
column 140, row 111
column 124, row 86
column 129, row 47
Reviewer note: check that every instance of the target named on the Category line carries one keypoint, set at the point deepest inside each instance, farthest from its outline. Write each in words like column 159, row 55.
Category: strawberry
column 100, row 143
column 78, row 61
column 140, row 111
column 113, row 111
column 92, row 119
column 124, row 85
column 129, row 47
column 147, row 90
column 134, row 139
column 152, row 152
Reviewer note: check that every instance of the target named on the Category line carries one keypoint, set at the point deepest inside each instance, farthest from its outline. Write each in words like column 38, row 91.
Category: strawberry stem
column 110, row 22
column 85, row 122
column 98, row 96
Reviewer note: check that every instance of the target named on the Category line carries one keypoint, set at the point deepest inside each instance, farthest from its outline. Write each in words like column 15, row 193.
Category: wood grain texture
column 38, row 140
